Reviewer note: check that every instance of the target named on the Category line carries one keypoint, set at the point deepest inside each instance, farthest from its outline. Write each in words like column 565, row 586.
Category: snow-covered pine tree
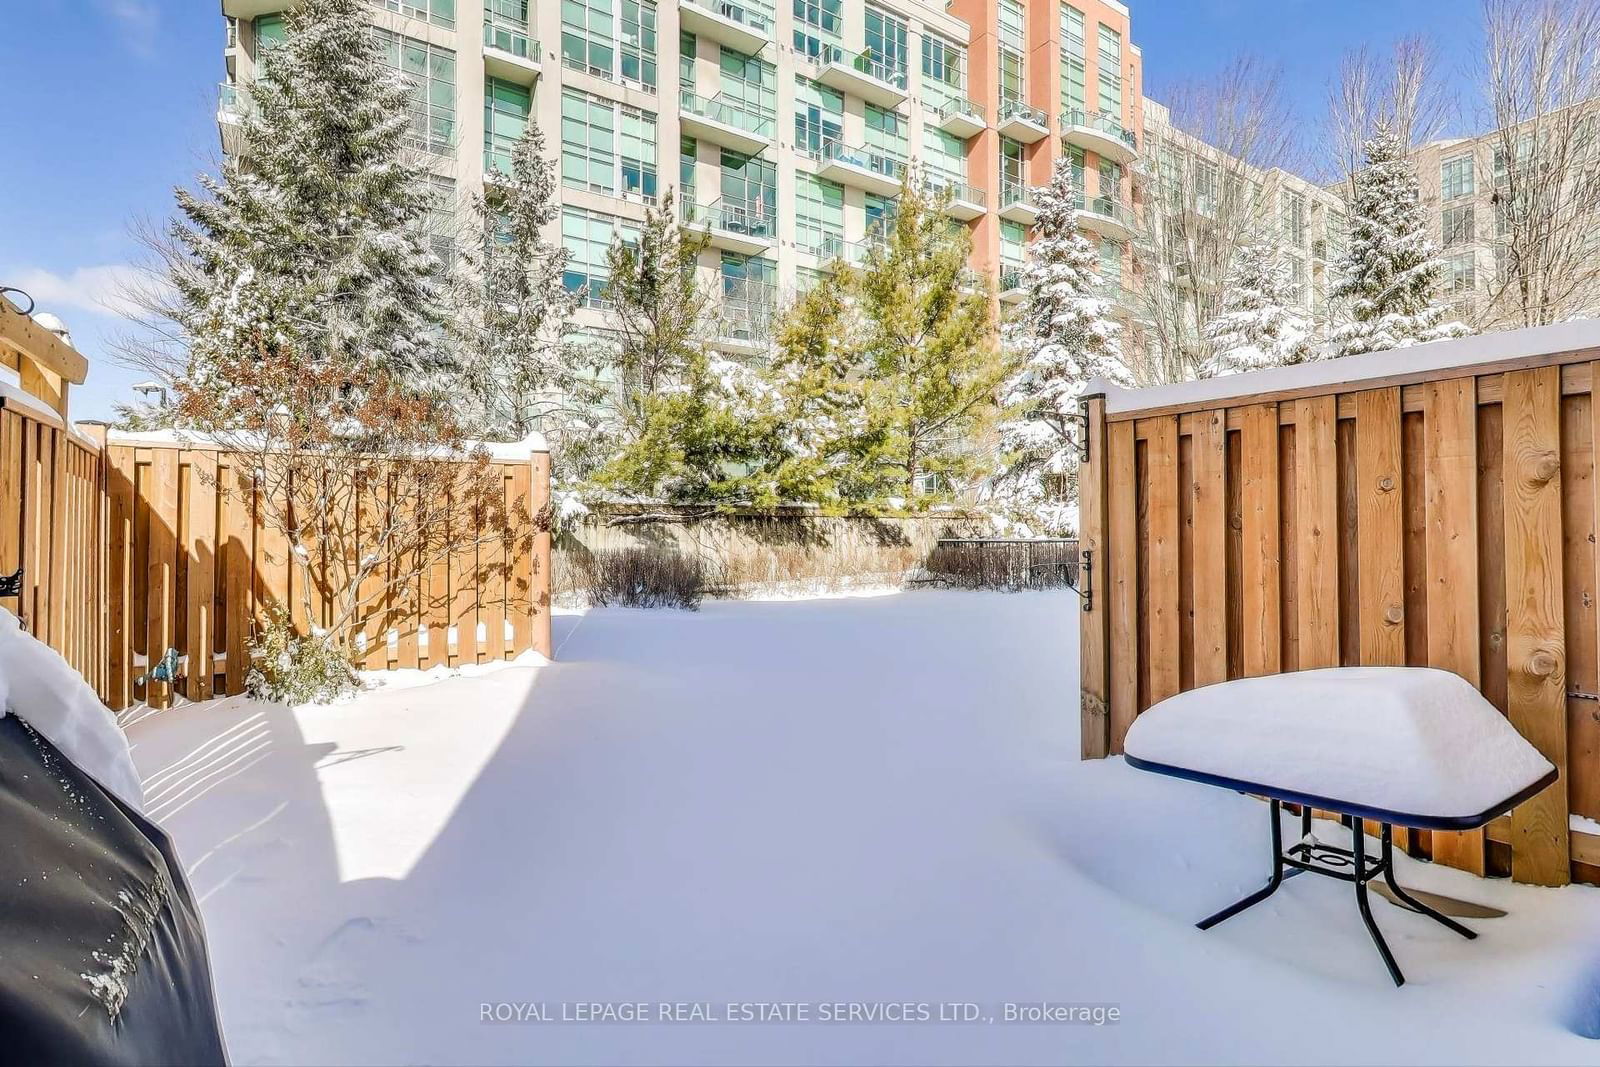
column 1389, row 276
column 1261, row 323
column 515, row 312
column 303, row 333
column 1062, row 336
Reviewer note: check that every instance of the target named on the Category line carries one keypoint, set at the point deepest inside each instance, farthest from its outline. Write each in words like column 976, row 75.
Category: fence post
column 539, row 592
column 1093, row 625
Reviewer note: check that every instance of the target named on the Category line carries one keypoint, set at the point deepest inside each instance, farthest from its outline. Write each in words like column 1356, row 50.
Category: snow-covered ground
column 868, row 802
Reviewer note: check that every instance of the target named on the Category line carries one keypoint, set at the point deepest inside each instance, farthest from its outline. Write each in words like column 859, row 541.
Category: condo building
column 785, row 131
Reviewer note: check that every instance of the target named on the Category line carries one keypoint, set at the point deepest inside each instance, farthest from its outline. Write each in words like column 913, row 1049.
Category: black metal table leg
column 1265, row 891
column 1410, row 901
column 1358, row 833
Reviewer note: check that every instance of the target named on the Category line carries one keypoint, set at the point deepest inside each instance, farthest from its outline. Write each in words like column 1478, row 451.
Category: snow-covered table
column 1400, row 746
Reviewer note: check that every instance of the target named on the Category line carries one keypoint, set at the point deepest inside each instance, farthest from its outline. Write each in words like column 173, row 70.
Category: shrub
column 641, row 578
column 287, row 668
column 1004, row 565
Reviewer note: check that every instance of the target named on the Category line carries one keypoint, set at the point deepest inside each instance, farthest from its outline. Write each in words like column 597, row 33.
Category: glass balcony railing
column 233, row 100
column 957, row 191
column 1103, row 206
column 1010, row 279
column 755, row 18
column 728, row 112
column 962, row 107
column 746, row 218
column 502, row 35
column 825, row 246
column 1016, row 109
column 1098, row 120
column 746, row 310
column 865, row 63
column 865, row 158
column 1018, row 193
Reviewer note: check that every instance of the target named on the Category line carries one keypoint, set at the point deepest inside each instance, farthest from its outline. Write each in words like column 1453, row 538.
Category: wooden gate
column 1433, row 507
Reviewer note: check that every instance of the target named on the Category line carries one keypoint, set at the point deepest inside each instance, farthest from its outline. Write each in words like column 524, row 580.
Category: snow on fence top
column 499, row 451
column 1480, row 353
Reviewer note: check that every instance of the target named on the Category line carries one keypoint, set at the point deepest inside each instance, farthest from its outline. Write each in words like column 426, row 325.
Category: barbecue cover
column 102, row 956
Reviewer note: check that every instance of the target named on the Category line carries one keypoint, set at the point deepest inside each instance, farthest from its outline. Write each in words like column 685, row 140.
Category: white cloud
column 139, row 21
column 101, row 290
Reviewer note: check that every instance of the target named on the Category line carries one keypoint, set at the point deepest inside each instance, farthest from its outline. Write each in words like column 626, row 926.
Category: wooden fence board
column 1210, row 470
column 1259, row 558
column 1094, row 694
column 1452, row 501
column 1161, row 476
column 200, row 555
column 161, row 579
column 1317, row 525
column 1535, row 635
column 1381, row 518
column 1121, row 571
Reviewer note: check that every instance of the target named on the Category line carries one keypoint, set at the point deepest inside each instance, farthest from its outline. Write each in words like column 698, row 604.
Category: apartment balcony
column 856, row 253
column 1104, row 216
column 742, row 27
column 963, row 118
column 747, row 227
column 965, row 202
column 744, row 318
column 862, row 75
column 233, row 104
column 1021, row 122
column 861, row 168
column 1019, row 203
column 724, row 123
column 1011, row 290
column 510, row 54
column 1097, row 132
column 249, row 9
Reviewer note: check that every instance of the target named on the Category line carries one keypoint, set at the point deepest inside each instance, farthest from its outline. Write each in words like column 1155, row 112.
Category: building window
column 1073, row 82
column 944, row 73
column 270, row 32
column 817, row 25
column 588, row 236
column 607, row 147
column 1294, row 219
column 1013, row 237
column 1013, row 73
column 819, row 215
column 1460, row 273
column 886, row 44
column 1110, row 73
column 944, row 155
column 818, row 116
column 1455, row 178
column 879, row 213
column 750, row 183
column 750, row 84
column 639, row 43
column 886, row 132
column 505, row 116
column 430, row 73
column 441, row 222
column 1111, row 269
column 590, row 30
column 1298, row 276
column 1011, row 167
column 1459, row 227
column 688, row 164
column 438, row 12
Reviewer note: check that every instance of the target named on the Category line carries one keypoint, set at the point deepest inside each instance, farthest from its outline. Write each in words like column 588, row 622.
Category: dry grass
column 637, row 578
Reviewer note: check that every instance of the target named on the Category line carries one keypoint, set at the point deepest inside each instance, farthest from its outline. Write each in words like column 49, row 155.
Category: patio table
column 1399, row 746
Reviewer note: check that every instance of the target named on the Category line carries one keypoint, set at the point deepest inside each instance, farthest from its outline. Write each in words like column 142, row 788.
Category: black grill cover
column 102, row 957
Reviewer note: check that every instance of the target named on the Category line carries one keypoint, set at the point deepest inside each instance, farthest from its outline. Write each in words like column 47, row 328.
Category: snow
column 855, row 802
column 1406, row 739
column 1419, row 362
column 38, row 686
column 499, row 451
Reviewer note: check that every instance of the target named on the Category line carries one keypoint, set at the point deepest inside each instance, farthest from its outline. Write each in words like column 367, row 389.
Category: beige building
column 785, row 130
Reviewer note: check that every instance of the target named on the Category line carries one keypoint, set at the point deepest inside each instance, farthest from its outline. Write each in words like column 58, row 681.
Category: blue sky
column 106, row 104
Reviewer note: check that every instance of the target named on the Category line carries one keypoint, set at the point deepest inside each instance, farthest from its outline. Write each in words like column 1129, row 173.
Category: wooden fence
column 1430, row 508
column 128, row 550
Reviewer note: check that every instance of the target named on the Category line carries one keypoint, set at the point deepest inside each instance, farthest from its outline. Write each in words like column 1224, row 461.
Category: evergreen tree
column 302, row 329
column 1062, row 336
column 925, row 358
column 515, row 311
column 660, row 309
column 314, row 239
column 1389, row 276
column 1261, row 323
